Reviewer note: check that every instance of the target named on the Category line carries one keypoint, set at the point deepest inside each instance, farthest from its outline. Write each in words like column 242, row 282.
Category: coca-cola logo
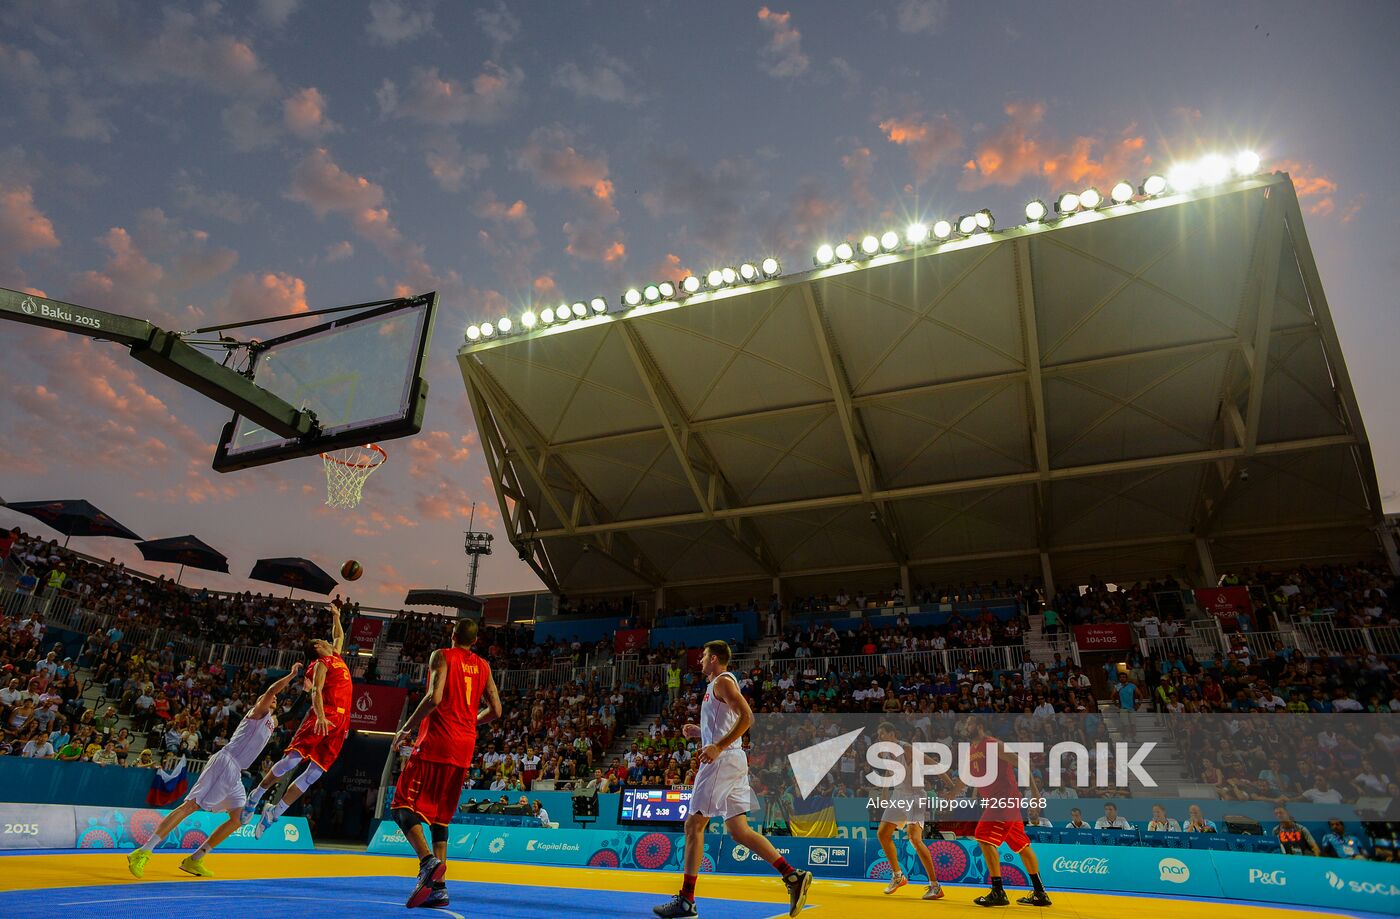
column 1081, row 865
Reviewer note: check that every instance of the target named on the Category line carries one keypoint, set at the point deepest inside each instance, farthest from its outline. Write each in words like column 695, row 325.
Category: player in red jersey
column 430, row 785
column 1001, row 820
column 322, row 732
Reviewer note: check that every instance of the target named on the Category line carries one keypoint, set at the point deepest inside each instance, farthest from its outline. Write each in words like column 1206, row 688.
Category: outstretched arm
column 337, row 630
column 269, row 696
column 318, row 705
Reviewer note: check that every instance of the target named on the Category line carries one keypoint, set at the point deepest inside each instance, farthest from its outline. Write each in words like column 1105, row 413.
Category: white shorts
column 220, row 785
column 898, row 816
column 722, row 787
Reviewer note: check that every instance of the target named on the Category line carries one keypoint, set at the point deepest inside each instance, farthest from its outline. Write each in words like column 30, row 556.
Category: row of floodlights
column 718, row 279
column 1183, row 177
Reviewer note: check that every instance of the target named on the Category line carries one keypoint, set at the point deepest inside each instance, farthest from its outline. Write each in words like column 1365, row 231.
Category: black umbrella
column 431, row 596
column 293, row 573
column 73, row 518
column 182, row 551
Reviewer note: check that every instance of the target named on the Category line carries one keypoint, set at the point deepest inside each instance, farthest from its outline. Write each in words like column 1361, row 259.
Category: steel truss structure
column 1152, row 388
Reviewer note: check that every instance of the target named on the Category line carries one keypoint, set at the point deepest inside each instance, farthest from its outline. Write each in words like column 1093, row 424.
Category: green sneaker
column 136, row 862
column 190, row 866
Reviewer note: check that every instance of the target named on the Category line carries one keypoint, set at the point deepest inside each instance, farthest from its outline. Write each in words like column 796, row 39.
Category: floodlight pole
column 167, row 354
column 477, row 545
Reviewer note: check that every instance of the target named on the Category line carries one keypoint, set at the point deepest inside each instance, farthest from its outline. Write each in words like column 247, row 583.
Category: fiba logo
column 497, row 844
column 290, row 833
column 739, row 853
column 817, row 856
column 833, row 856
column 27, row 304
column 1173, row 871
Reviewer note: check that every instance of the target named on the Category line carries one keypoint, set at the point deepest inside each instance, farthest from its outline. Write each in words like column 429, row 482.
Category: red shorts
column 321, row 749
column 431, row 790
column 996, row 832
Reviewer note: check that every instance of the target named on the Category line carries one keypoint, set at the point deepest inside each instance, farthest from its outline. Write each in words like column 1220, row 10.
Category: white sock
column 149, row 845
column 199, row 853
column 277, row 812
column 257, row 794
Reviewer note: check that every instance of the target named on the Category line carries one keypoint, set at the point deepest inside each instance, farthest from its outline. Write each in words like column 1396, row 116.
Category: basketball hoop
column 346, row 471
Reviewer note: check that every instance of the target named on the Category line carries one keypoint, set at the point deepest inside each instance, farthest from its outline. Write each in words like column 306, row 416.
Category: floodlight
column 503, row 324
column 825, row 254
column 1182, row 177
column 1246, row 163
column 967, row 225
column 1090, row 198
column 845, row 252
column 580, row 310
column 668, row 290
column 1213, row 169
column 915, row 233
column 651, row 293
column 748, row 271
column 599, row 305
column 690, row 284
column 985, row 220
column 889, row 241
column 528, row 320
column 729, row 275
column 487, row 330
column 632, row 297
column 715, row 278
column 546, row 315
column 473, row 333
column 1154, row 185
column 1068, row 203
column 1036, row 211
column 771, row 267
column 942, row 229
column 869, row 244
column 1122, row 193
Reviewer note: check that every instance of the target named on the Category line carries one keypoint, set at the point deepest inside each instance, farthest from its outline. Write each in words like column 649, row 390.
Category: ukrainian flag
column 813, row 816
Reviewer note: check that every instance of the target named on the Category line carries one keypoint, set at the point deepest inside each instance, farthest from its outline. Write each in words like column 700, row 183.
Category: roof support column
column 904, row 583
column 1047, row 578
column 1040, row 445
column 1207, row 562
column 1387, row 539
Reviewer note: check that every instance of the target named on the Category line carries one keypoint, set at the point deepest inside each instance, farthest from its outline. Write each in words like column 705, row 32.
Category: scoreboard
column 653, row 806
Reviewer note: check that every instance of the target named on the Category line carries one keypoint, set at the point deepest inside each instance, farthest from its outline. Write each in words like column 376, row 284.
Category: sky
column 207, row 162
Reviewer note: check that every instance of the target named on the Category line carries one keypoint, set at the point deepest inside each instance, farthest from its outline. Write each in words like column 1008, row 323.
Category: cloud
column 1352, row 209
column 1022, row 150
column 551, row 157
column 603, row 78
column 1315, row 190
column 186, row 49
column 499, row 24
column 339, row 252
column 429, row 452
column 244, row 124
column 433, row 99
column 782, row 55
column 715, row 197
column 276, row 12
column 860, row 165
column 931, row 142
column 920, row 16
column 509, row 238
column 450, row 501
column 812, row 213
column 304, row 114
column 515, row 215
column 222, row 204
column 392, row 22
column 450, row 166
column 266, row 294
column 23, row 227
column 320, row 184
column 37, row 86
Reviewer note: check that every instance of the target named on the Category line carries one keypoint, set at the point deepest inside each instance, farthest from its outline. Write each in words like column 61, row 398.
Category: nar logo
column 1374, row 888
column 1274, row 878
column 1173, row 871
column 290, row 833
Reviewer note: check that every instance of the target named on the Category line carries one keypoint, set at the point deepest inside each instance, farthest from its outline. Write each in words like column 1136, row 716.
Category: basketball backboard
column 362, row 376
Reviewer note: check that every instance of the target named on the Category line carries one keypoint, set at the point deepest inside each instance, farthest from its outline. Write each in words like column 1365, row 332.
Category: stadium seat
column 1079, row 837
column 1043, row 834
column 1218, row 842
column 1199, row 840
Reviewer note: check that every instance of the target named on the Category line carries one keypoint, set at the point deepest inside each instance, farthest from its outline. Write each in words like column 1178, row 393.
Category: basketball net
column 346, row 471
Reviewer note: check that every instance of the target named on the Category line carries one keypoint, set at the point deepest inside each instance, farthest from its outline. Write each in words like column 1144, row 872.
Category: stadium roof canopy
column 1152, row 388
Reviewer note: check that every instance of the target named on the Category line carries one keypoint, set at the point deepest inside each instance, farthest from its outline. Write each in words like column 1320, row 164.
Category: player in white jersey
column 722, row 786
column 220, row 785
column 909, row 810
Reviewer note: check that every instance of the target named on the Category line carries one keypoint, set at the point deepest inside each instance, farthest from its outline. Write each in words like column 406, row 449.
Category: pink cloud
column 1315, row 190
column 783, row 56
column 930, row 142
column 1023, row 149
column 449, row 501
column 320, row 184
column 434, row 449
column 431, row 98
column 304, row 114
column 551, row 157
column 23, row 227
column 860, row 165
column 267, row 294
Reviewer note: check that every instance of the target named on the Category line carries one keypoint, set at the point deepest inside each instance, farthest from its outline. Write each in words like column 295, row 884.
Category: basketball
column 351, row 570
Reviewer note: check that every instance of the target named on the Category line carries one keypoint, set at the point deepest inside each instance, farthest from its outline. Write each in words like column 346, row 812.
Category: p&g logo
column 1274, row 878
